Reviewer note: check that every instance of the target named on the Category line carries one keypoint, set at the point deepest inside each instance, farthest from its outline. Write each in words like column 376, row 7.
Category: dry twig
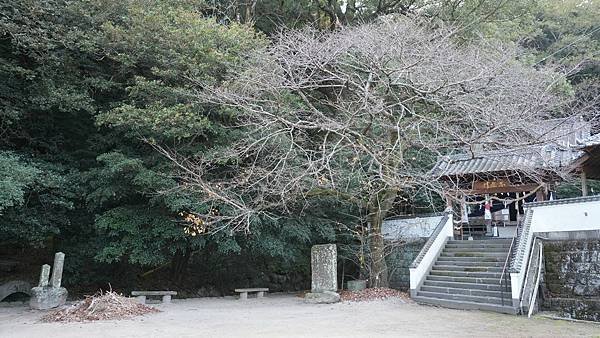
column 101, row 306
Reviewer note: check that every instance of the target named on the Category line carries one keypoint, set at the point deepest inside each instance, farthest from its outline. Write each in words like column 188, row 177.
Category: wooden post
column 448, row 201
column 517, row 207
column 540, row 195
column 464, row 218
column 584, row 190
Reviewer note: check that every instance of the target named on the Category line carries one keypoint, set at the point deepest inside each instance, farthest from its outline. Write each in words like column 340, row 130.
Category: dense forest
column 93, row 92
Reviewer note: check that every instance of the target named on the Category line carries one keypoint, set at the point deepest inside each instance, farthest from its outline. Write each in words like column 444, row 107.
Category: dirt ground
column 288, row 316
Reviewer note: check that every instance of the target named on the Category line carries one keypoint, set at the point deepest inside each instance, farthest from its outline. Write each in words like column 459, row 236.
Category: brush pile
column 101, row 306
column 372, row 294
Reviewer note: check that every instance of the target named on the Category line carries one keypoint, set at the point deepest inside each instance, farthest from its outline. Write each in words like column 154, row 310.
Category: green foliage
column 128, row 67
column 34, row 200
column 140, row 234
column 15, row 178
column 573, row 189
column 566, row 31
column 84, row 81
column 171, row 49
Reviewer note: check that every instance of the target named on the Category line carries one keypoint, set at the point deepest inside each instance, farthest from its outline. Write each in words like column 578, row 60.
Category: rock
column 356, row 285
column 43, row 298
column 325, row 297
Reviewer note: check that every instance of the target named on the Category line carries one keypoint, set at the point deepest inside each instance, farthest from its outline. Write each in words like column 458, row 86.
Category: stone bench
column 260, row 292
column 141, row 295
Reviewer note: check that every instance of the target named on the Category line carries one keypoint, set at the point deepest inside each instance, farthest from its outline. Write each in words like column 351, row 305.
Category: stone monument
column 324, row 275
column 46, row 296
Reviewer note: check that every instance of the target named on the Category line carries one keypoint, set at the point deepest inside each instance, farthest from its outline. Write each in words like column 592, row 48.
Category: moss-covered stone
column 572, row 278
column 399, row 261
column 585, row 309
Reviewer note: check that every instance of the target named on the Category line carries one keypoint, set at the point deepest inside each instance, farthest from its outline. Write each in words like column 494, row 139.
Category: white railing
column 430, row 252
column 520, row 257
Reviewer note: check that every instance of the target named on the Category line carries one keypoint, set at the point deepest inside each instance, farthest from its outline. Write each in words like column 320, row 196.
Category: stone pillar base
column 325, row 297
column 47, row 297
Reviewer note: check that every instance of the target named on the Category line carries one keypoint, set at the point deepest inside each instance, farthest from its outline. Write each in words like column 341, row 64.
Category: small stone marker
column 324, row 275
column 46, row 296
column 324, row 268
column 57, row 269
column 44, row 275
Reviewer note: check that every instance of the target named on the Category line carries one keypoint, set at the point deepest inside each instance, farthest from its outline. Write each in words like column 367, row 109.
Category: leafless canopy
column 362, row 113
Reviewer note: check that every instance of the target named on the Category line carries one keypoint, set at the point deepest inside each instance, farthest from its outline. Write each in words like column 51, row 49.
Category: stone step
column 445, row 267
column 482, row 241
column 467, row 264
column 465, row 298
column 504, row 246
column 481, row 249
column 466, row 274
column 474, row 254
column 459, row 285
column 465, row 305
column 472, row 280
column 475, row 233
column 494, row 259
column 466, row 292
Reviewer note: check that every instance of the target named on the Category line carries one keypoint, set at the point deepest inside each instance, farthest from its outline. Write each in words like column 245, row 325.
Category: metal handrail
column 529, row 260
column 503, row 281
column 537, row 281
column 537, row 240
column 512, row 242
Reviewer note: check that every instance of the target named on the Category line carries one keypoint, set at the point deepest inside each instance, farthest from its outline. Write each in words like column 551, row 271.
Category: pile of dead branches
column 101, row 306
column 372, row 294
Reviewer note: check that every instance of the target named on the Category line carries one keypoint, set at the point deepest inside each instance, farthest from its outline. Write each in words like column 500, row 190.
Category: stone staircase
column 467, row 275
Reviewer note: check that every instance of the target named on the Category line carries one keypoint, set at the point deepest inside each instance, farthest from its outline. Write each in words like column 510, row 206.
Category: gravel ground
column 288, row 316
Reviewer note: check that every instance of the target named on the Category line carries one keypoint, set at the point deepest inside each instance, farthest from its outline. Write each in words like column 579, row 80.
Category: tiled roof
column 528, row 159
column 564, row 140
column 581, row 199
column 591, row 141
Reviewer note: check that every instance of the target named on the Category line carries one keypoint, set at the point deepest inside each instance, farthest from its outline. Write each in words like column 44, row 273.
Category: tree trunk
column 378, row 272
column 179, row 265
column 378, row 209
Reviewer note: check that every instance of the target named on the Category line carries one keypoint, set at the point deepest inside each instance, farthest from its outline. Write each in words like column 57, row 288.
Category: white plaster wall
column 566, row 217
column 516, row 283
column 418, row 274
column 410, row 228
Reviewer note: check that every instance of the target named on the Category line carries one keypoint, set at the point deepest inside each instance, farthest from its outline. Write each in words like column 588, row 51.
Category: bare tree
column 361, row 114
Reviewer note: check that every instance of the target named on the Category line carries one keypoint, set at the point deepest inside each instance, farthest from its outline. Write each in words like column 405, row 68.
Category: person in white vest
column 487, row 216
